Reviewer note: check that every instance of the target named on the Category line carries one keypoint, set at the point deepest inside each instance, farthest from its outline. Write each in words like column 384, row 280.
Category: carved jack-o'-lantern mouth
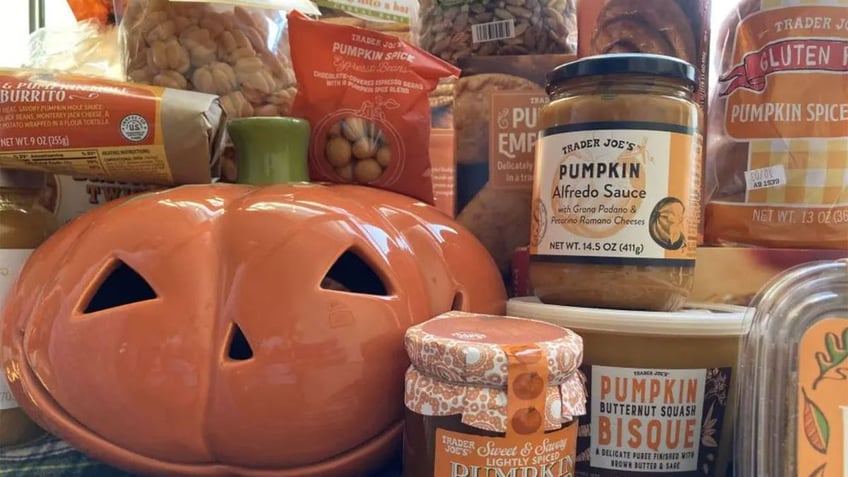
column 233, row 330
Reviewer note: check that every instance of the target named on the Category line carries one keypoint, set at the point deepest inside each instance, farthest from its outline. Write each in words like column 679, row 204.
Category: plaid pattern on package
column 777, row 155
column 816, row 171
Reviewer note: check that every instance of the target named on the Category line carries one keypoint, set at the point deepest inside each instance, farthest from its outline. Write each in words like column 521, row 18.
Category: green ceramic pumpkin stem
column 270, row 150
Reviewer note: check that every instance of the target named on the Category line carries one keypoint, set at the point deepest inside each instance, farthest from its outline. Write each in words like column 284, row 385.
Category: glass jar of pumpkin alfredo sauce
column 616, row 190
column 492, row 395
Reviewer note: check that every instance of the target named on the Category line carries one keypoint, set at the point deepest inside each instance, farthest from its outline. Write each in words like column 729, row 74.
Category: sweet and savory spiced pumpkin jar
column 236, row 330
column 491, row 395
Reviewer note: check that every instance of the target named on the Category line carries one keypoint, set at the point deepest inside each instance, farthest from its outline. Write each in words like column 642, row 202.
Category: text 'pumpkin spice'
column 777, row 163
column 366, row 97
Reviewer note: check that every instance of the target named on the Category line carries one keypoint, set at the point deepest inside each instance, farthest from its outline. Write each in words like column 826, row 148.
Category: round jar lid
column 468, row 348
column 21, row 179
column 624, row 64
column 696, row 319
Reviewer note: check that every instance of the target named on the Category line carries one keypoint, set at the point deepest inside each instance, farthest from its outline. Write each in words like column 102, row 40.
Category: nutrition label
column 103, row 163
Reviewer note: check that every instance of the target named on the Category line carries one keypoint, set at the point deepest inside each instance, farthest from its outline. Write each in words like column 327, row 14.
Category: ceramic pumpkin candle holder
column 234, row 330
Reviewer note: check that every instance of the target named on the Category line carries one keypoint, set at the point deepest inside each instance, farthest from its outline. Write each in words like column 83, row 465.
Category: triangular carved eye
column 121, row 286
column 239, row 348
column 353, row 274
column 458, row 302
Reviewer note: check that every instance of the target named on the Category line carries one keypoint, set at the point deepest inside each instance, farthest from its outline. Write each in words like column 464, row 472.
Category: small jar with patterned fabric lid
column 491, row 395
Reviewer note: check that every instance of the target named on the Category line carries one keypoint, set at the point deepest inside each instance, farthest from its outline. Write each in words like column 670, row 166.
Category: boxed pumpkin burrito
column 109, row 130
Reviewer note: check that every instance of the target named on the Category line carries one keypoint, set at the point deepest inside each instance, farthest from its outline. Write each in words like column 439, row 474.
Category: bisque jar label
column 654, row 421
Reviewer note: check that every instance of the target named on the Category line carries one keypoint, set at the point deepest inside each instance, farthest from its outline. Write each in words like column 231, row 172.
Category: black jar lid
column 624, row 64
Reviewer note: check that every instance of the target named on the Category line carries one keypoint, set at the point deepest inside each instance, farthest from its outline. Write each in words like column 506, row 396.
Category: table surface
column 51, row 457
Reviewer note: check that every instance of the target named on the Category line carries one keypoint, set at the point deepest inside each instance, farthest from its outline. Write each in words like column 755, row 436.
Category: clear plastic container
column 793, row 376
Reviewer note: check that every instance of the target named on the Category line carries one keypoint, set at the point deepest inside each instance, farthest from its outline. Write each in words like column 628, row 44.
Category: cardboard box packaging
column 69, row 197
column 496, row 122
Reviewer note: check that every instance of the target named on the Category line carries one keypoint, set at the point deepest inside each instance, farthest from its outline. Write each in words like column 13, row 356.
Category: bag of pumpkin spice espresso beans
column 368, row 103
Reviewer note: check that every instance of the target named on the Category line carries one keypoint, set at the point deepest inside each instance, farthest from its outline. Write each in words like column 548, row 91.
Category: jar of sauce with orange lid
column 491, row 395
column 616, row 188
column 24, row 225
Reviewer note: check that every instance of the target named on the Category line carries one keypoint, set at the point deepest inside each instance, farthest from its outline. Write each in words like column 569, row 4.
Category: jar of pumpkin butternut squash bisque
column 616, row 190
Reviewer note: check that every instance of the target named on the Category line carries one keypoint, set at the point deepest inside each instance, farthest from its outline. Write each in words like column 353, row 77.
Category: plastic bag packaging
column 368, row 105
column 87, row 48
column 457, row 29
column 398, row 18
column 97, row 10
column 235, row 49
column 777, row 152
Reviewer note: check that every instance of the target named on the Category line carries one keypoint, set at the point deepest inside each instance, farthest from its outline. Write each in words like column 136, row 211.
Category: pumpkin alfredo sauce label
column 624, row 193
column 11, row 263
column 525, row 450
column 822, row 446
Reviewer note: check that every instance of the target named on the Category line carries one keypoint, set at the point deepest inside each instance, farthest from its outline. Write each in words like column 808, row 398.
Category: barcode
column 492, row 31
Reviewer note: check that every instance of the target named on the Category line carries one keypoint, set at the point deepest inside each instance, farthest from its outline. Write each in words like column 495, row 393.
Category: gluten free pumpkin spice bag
column 366, row 95
column 777, row 165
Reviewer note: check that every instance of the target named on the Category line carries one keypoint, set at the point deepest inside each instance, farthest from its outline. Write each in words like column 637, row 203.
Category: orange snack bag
column 100, row 10
column 366, row 95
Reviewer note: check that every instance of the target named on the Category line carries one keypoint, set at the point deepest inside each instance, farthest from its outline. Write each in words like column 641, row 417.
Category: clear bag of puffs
column 237, row 49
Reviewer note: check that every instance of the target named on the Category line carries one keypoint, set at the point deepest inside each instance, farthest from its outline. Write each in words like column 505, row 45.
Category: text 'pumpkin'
column 223, row 329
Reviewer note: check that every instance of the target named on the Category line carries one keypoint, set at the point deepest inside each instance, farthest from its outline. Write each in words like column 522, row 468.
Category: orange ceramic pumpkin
column 231, row 330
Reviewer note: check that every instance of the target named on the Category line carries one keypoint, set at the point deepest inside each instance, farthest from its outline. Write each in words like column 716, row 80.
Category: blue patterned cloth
column 50, row 457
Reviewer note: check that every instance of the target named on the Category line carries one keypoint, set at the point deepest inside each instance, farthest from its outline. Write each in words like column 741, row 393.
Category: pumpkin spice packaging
column 793, row 415
column 777, row 155
column 366, row 97
column 495, row 115
column 109, row 130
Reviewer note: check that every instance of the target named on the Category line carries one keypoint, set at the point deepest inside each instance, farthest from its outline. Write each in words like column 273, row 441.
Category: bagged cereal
column 777, row 157
column 366, row 96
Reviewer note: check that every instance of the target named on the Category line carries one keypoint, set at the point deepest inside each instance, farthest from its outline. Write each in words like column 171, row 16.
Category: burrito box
column 108, row 130
column 496, row 122
column 69, row 197
column 678, row 28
